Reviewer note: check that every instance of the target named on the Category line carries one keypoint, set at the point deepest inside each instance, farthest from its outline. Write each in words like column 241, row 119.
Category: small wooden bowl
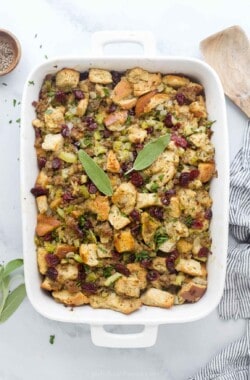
column 10, row 52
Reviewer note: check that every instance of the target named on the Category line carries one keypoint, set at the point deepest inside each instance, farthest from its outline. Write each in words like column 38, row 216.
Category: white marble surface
column 53, row 28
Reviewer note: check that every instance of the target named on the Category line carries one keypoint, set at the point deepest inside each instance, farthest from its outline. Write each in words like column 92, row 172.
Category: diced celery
column 99, row 149
column 60, row 212
column 110, row 280
column 77, row 258
column 69, row 157
column 99, row 118
column 83, row 190
column 91, row 277
column 97, row 135
column 117, row 146
column 50, row 247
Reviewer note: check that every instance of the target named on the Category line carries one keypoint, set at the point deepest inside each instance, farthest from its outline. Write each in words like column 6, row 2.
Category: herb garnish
column 107, row 271
column 150, row 153
column 95, row 173
column 160, row 237
column 143, row 255
column 52, row 339
column 10, row 300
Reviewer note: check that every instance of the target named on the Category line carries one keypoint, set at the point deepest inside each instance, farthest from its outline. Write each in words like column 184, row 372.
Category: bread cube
column 67, row 79
column 158, row 298
column 100, row 76
column 124, row 241
column 88, row 253
column 70, row 299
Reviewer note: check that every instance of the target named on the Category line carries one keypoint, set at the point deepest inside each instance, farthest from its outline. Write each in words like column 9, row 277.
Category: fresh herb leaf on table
column 10, row 300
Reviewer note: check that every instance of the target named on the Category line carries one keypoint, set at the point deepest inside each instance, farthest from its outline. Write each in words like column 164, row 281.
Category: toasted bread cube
column 88, row 253
column 206, row 170
column 50, row 285
column 149, row 227
column 42, row 179
column 62, row 250
column 125, row 197
column 192, row 292
column 70, row 299
column 127, row 104
column 175, row 81
column 198, row 109
column 158, row 298
column 100, row 76
column 189, row 266
column 103, row 252
column 140, row 273
column 46, row 224
column 115, row 121
column 159, row 264
column 67, row 79
column 113, row 165
column 82, row 107
column 99, row 206
column 124, row 241
column 128, row 286
column 184, row 246
column 41, row 260
column 53, row 142
column 136, row 134
column 176, row 230
column 143, row 81
column 115, row 302
column 122, row 90
column 148, row 102
column 147, row 200
column 54, row 118
column 67, row 272
column 37, row 123
column 117, row 219
column 174, row 207
column 168, row 246
column 42, row 204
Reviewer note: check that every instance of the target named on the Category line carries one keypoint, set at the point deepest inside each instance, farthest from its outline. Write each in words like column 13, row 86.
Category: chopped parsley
column 52, row 339
column 31, row 82
column 143, row 255
column 14, row 102
column 107, row 271
column 188, row 221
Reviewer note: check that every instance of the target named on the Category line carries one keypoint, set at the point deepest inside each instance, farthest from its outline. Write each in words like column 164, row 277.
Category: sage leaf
column 95, row 173
column 150, row 153
column 11, row 266
column 12, row 302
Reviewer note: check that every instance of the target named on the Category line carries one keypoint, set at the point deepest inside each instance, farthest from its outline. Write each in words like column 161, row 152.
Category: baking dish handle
column 146, row 338
column 143, row 38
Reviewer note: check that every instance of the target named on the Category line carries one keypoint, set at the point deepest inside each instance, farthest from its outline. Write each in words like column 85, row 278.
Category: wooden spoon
column 228, row 52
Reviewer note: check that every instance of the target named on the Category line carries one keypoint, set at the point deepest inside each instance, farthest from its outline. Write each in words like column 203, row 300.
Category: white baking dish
column 148, row 316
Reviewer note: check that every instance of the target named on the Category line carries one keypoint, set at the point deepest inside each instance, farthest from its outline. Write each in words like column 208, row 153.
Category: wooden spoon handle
column 228, row 52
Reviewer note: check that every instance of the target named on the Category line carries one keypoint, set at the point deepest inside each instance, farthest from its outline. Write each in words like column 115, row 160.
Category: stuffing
column 158, row 298
column 88, row 253
column 53, row 142
column 124, row 241
column 100, row 76
column 125, row 197
column 114, row 302
column 117, row 219
column 70, row 299
column 113, row 165
column 67, row 79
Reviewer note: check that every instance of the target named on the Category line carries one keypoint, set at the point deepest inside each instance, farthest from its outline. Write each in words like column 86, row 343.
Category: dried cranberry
column 145, row 263
column 67, row 196
column 156, row 212
column 131, row 112
column 52, row 260
column 116, row 76
column 78, row 94
column 56, row 163
column 112, row 108
column 121, row 268
column 165, row 200
column 81, row 273
column 89, row 287
column 180, row 99
column 131, row 258
column 116, row 255
column 135, row 215
column 168, row 120
column 135, row 229
column 88, row 225
column 106, row 133
column 179, row 141
column 89, row 120
column 139, row 146
column 197, row 224
column 38, row 133
column 170, row 193
column 184, row 179
column 208, row 214
column 38, row 191
column 84, row 75
column 194, row 174
column 203, row 252
column 48, row 237
column 150, row 130
column 170, row 265
column 173, row 254
column 52, row 273
column 176, row 126
column 92, row 188
column 153, row 275
column 60, row 97
column 41, row 161
column 65, row 132
column 137, row 179
column 34, row 103
column 92, row 126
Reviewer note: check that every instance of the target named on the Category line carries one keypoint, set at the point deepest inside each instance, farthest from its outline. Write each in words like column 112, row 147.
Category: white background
column 53, row 28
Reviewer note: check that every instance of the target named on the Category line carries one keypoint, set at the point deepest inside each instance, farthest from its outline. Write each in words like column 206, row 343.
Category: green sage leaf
column 11, row 266
column 13, row 300
column 150, row 153
column 95, row 173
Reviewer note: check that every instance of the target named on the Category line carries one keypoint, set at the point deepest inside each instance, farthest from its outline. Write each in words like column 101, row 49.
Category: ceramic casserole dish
column 149, row 317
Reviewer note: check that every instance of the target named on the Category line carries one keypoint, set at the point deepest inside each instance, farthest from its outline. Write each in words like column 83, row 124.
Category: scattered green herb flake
column 150, row 153
column 49, row 111
column 46, row 57
column 160, row 238
column 35, row 35
column 95, row 173
column 18, row 121
column 81, row 221
column 52, row 339
column 107, row 271
column 154, row 187
column 143, row 255
column 41, row 46
column 19, row 103
column 31, row 82
column 128, row 121
column 14, row 102
column 10, row 122
column 4, row 84
column 188, row 221
column 106, row 91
